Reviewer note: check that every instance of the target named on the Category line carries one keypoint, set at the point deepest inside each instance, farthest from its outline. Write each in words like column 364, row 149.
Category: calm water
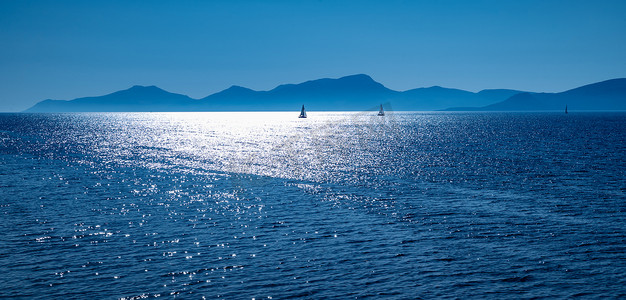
column 339, row 205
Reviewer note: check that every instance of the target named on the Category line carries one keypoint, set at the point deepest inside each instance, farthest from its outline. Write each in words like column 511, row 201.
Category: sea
column 340, row 205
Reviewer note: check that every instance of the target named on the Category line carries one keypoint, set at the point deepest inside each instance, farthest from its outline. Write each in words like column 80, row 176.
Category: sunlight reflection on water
column 270, row 144
column 336, row 205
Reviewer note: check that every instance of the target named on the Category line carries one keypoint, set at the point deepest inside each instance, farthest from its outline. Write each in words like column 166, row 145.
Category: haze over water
column 338, row 205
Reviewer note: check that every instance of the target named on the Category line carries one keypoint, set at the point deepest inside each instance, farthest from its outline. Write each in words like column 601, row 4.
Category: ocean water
column 338, row 205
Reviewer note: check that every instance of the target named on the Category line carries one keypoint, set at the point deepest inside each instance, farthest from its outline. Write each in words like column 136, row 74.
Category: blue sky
column 70, row 49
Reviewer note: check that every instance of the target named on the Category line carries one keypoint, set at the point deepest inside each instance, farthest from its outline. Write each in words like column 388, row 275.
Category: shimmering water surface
column 339, row 205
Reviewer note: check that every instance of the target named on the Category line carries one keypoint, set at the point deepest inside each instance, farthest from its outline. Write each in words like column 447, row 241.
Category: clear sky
column 70, row 49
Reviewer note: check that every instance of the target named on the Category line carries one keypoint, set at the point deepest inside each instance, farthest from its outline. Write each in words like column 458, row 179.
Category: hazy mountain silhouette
column 347, row 93
column 436, row 98
column 355, row 92
column 605, row 95
column 136, row 98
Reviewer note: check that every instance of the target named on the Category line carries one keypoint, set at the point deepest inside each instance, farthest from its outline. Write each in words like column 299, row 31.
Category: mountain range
column 350, row 93
column 605, row 95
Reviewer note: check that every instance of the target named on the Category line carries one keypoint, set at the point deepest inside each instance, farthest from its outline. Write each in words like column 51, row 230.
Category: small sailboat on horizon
column 381, row 112
column 302, row 112
column 565, row 108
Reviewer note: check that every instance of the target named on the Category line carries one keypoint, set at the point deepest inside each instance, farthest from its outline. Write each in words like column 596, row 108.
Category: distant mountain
column 350, row 93
column 605, row 95
column 347, row 93
column 136, row 98
column 436, row 98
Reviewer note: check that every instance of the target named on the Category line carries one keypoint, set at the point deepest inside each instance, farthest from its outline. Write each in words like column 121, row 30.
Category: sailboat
column 381, row 112
column 302, row 112
column 565, row 108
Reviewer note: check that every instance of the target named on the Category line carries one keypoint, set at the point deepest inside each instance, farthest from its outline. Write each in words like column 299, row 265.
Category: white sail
column 381, row 112
column 302, row 112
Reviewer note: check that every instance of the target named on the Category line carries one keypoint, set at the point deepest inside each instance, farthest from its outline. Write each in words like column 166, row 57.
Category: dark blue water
column 339, row 205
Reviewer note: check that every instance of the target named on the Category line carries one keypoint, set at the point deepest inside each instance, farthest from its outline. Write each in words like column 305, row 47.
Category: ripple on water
column 348, row 205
